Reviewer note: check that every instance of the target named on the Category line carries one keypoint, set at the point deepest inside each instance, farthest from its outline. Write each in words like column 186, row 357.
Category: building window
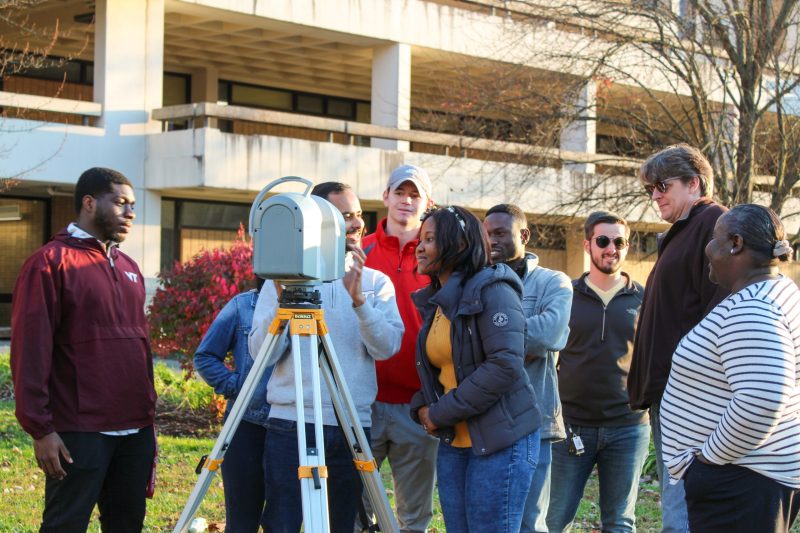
column 177, row 89
column 644, row 243
column 58, row 69
column 310, row 104
column 20, row 236
column 341, row 108
column 547, row 237
column 248, row 95
column 189, row 226
column 235, row 93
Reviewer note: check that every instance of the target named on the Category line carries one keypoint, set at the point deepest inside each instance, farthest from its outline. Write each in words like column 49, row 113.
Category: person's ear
column 524, row 235
column 88, row 203
column 587, row 246
column 737, row 244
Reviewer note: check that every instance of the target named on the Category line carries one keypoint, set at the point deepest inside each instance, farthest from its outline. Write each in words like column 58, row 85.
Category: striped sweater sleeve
column 757, row 356
column 734, row 387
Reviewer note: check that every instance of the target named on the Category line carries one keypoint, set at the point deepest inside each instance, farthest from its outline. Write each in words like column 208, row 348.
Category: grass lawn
column 22, row 486
column 22, row 483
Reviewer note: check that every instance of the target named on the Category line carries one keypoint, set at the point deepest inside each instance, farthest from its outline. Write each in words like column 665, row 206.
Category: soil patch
column 179, row 422
column 6, row 393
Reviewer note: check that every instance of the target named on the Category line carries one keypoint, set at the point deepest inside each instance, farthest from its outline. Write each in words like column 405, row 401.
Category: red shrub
column 191, row 294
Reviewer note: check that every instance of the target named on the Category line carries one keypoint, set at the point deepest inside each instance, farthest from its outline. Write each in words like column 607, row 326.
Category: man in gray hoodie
column 365, row 326
column 546, row 300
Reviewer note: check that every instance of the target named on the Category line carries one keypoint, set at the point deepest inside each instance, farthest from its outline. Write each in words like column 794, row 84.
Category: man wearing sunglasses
column 546, row 300
column 602, row 429
column 679, row 293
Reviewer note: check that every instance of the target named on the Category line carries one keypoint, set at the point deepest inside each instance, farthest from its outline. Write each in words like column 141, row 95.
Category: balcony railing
column 34, row 107
column 205, row 114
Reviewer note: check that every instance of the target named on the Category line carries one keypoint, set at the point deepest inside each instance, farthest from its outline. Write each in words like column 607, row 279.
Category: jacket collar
column 73, row 235
column 459, row 297
column 699, row 206
column 581, row 286
column 254, row 295
column 390, row 241
column 531, row 262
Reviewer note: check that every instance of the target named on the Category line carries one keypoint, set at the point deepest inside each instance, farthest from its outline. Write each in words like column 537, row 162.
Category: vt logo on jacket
column 132, row 276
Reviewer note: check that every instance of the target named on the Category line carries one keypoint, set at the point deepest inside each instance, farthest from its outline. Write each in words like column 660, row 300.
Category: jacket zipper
column 605, row 307
column 603, row 329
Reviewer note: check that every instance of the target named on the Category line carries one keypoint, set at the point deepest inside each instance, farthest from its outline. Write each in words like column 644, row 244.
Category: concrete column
column 128, row 82
column 391, row 92
column 205, row 88
column 128, row 61
column 205, row 84
column 581, row 134
column 577, row 259
column 148, row 228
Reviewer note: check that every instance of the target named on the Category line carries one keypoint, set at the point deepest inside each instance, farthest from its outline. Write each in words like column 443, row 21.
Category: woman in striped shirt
column 730, row 412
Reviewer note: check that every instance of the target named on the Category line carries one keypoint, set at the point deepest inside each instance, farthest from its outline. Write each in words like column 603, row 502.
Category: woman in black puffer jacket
column 475, row 396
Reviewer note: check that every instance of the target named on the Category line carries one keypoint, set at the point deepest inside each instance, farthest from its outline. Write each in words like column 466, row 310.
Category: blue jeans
column 619, row 453
column 243, row 478
column 284, row 512
column 674, row 516
column 485, row 492
column 538, row 500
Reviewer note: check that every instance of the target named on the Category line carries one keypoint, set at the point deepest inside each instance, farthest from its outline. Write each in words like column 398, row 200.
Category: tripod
column 300, row 314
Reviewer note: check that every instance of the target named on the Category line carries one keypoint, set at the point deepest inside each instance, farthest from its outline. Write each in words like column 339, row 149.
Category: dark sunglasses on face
column 662, row 186
column 619, row 242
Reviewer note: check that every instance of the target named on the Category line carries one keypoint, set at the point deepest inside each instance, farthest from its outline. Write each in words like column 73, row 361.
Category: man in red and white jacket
column 82, row 366
column 411, row 451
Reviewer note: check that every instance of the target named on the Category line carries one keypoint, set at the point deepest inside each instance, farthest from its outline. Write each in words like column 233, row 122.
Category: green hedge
column 173, row 388
column 176, row 390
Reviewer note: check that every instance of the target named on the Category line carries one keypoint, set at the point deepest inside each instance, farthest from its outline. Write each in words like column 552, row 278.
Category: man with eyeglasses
column 602, row 429
column 546, row 300
column 679, row 293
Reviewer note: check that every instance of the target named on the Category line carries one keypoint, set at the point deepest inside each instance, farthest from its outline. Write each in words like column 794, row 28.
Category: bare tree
column 719, row 74
column 25, row 46
column 19, row 54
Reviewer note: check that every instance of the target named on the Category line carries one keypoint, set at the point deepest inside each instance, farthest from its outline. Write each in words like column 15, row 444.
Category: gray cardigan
column 494, row 395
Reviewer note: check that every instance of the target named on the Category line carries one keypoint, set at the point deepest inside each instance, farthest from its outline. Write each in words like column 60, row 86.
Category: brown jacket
column 679, row 294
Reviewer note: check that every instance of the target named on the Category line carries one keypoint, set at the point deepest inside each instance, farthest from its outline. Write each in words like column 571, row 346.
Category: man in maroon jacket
column 679, row 293
column 81, row 364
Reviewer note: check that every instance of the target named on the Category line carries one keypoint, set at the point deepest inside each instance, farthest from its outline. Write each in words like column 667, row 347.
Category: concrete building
column 203, row 102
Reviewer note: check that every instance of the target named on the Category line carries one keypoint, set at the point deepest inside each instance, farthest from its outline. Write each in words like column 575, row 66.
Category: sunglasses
column 661, row 185
column 619, row 242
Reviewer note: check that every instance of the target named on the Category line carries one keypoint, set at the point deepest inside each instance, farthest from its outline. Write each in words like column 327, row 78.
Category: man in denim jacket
column 546, row 300
column 242, row 473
